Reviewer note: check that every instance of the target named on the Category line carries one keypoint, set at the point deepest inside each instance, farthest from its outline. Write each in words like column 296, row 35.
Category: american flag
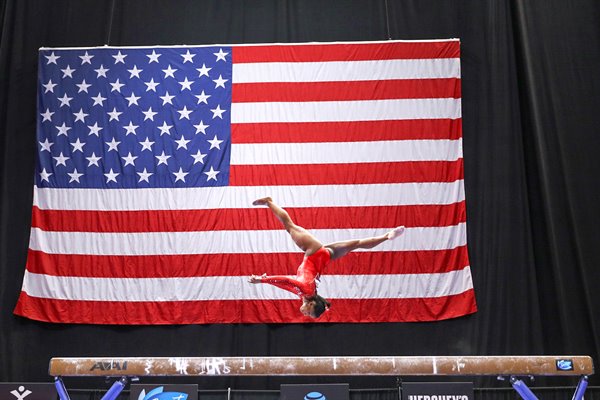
column 149, row 159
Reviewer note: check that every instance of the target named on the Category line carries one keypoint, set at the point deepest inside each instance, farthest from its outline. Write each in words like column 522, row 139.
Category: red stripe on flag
column 344, row 91
column 242, row 311
column 345, row 52
column 353, row 131
column 340, row 174
column 198, row 265
column 246, row 218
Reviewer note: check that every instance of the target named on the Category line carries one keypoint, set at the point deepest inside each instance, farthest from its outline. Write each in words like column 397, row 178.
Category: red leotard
column 304, row 285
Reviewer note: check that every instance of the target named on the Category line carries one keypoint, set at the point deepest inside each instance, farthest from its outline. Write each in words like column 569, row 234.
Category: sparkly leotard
column 303, row 284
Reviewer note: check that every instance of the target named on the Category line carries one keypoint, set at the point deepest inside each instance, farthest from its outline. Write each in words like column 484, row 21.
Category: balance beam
column 323, row 366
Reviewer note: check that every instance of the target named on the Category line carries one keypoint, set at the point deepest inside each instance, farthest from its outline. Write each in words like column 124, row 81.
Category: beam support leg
column 522, row 389
column 115, row 389
column 60, row 389
column 580, row 390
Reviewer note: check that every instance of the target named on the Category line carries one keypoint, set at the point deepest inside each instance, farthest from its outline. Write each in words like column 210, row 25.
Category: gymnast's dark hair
column 321, row 305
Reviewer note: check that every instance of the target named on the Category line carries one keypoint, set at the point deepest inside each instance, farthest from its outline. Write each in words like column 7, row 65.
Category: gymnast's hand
column 256, row 278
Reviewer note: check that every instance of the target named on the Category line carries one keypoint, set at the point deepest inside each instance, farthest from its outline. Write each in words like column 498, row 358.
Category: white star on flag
column 74, row 176
column 212, row 174
column 52, row 58
column 95, row 129
column 147, row 144
column 47, row 116
column 217, row 112
column 144, row 175
column 169, row 72
column 151, row 85
column 129, row 159
column 133, row 99
column 220, row 82
column 77, row 145
column 116, row 86
column 114, row 114
column 188, row 57
column 45, row 175
column 182, row 142
column 61, row 160
column 167, row 98
column 98, row 100
column 80, row 116
column 186, row 85
column 112, row 145
column 86, row 58
column 162, row 159
column 83, row 86
column 134, row 72
column 220, row 55
column 93, row 160
column 149, row 114
column 101, row 71
column 201, row 128
column 63, row 129
column 65, row 100
column 153, row 57
column 203, row 97
column 180, row 175
column 130, row 129
column 111, row 176
column 203, row 71
column 165, row 129
column 49, row 86
column 119, row 58
column 198, row 157
column 215, row 143
column 46, row 145
column 184, row 113
column 68, row 72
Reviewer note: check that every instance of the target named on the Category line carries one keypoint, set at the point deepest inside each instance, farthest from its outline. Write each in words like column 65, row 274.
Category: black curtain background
column 531, row 136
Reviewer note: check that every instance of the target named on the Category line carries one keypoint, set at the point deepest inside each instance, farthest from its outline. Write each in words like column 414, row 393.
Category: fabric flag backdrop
column 149, row 159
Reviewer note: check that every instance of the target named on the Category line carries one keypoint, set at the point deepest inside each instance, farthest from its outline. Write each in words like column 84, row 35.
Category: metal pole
column 60, row 389
column 115, row 389
column 522, row 389
column 581, row 386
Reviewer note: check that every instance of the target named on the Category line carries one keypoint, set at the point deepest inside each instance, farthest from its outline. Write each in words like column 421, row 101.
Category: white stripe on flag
column 242, row 196
column 330, row 111
column 238, row 288
column 246, row 242
column 346, row 152
column 335, row 71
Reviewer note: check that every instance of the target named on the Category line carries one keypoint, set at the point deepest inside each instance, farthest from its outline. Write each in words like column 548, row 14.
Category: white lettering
column 216, row 366
column 438, row 397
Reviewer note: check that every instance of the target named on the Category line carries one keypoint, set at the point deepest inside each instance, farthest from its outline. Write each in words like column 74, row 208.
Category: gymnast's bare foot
column 394, row 233
column 262, row 202
column 256, row 279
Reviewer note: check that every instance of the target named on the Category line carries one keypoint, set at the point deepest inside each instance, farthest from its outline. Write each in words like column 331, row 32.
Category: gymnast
column 316, row 257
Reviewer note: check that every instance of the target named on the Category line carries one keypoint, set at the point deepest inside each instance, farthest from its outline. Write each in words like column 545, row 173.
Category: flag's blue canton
column 134, row 118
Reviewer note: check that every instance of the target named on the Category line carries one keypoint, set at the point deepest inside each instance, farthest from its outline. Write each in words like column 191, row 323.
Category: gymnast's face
column 307, row 308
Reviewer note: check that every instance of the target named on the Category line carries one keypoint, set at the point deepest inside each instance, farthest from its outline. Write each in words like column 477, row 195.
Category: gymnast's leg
column 303, row 239
column 340, row 249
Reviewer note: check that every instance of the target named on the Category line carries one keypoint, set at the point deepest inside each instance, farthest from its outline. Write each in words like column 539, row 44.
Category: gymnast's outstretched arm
column 281, row 281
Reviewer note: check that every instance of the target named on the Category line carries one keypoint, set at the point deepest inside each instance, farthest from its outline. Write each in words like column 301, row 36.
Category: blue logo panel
column 564, row 365
column 314, row 396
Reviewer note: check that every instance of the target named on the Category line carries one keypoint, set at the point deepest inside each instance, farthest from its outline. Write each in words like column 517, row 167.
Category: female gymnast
column 316, row 257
